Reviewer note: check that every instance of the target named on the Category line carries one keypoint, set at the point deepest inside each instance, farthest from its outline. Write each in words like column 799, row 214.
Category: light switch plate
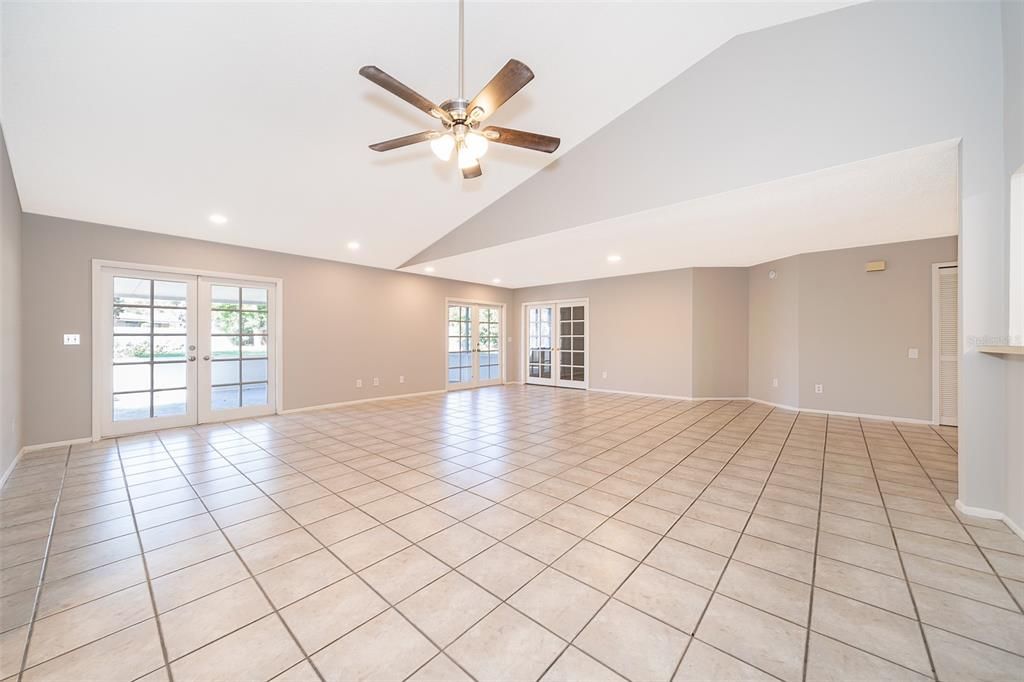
column 72, row 340
column 912, row 353
column 775, row 382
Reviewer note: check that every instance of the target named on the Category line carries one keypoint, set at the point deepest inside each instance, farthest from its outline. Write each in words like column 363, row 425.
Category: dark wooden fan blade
column 400, row 89
column 405, row 141
column 473, row 171
column 507, row 82
column 519, row 138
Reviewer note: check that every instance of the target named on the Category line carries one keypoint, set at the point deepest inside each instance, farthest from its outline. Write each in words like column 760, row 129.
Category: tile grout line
column 814, row 562
column 145, row 565
column 442, row 649
column 896, row 547
column 725, row 567
column 248, row 570
column 974, row 542
column 42, row 568
column 580, row 539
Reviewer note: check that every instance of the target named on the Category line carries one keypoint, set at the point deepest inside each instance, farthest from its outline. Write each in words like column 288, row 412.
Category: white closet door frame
column 556, row 358
column 937, row 341
column 103, row 347
column 99, row 361
column 207, row 414
column 475, row 336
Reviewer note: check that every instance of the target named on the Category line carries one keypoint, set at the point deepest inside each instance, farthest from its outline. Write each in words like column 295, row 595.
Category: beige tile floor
column 508, row 533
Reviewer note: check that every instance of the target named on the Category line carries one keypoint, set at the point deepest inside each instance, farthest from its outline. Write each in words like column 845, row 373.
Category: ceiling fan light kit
column 461, row 118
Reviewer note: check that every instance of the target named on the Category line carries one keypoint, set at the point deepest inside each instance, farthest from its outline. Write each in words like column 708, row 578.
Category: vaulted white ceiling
column 155, row 115
column 902, row 196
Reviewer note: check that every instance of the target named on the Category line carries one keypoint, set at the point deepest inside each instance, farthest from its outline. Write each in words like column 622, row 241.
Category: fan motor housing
column 456, row 108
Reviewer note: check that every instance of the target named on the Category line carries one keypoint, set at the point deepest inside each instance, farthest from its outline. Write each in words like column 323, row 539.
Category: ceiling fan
column 461, row 118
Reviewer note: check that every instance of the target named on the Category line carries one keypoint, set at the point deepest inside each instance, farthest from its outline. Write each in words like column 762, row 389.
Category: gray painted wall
column 640, row 331
column 342, row 322
column 824, row 320
column 10, row 313
column 1013, row 150
column 720, row 321
column 774, row 332
column 856, row 327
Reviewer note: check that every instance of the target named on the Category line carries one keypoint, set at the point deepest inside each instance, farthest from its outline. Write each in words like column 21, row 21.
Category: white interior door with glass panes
column 540, row 344
column 175, row 350
column 146, row 351
column 556, row 344
column 474, row 351
column 236, row 369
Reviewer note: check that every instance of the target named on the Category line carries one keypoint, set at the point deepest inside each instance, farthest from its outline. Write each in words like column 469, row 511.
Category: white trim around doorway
column 524, row 342
column 98, row 363
column 504, row 340
column 936, row 345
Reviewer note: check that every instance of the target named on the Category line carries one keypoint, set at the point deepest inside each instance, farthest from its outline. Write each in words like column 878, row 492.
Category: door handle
column 191, row 358
column 206, row 357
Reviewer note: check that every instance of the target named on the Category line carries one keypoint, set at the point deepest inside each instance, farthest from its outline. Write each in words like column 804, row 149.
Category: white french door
column 556, row 344
column 474, row 348
column 176, row 350
column 236, row 368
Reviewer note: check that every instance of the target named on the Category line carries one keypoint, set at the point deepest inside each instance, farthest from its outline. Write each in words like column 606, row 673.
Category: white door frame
column 99, row 363
column 555, row 363
column 207, row 415
column 936, row 345
column 103, row 347
column 451, row 300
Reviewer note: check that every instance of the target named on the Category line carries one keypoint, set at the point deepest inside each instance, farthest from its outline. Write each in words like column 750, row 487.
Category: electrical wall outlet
column 72, row 340
column 912, row 353
column 818, row 388
column 401, row 379
column 359, row 383
column 376, row 381
column 775, row 382
column 604, row 375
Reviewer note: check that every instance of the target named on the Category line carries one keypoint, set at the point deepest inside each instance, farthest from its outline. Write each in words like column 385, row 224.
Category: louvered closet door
column 948, row 345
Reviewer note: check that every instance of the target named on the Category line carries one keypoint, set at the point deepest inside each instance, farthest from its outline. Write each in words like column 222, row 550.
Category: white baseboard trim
column 837, row 413
column 10, row 469
column 328, row 406
column 642, row 395
column 57, row 444
column 982, row 513
column 26, row 449
column 782, row 406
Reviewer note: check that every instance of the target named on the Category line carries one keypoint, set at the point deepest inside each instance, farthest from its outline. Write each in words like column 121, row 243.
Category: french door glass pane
column 169, row 403
column 239, row 325
column 571, row 324
column 169, row 375
column 169, row 348
column 224, row 397
column 460, row 337
column 129, row 406
column 150, row 326
column 540, row 340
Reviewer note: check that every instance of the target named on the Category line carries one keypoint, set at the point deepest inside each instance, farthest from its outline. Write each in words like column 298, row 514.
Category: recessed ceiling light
column 353, row 246
column 496, row 280
column 218, row 219
column 429, row 268
column 614, row 258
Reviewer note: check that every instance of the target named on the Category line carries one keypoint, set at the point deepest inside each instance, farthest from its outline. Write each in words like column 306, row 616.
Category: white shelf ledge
column 1002, row 350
